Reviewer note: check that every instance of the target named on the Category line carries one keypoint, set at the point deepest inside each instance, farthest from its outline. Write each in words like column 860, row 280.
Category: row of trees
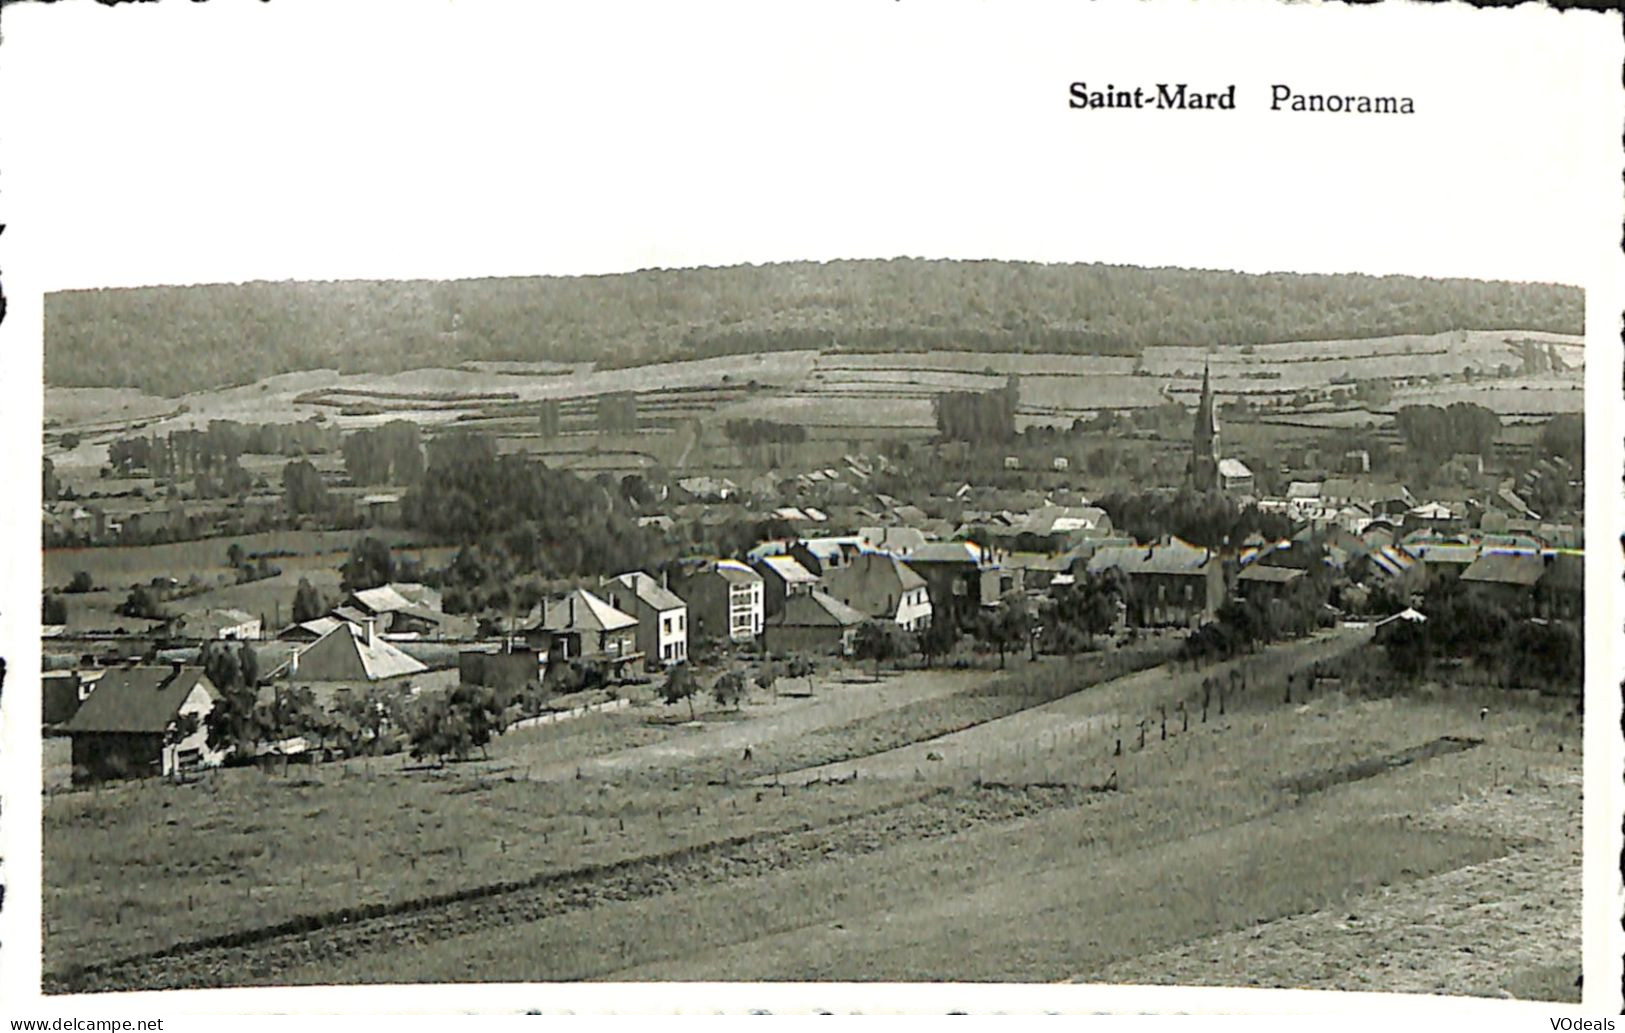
column 1437, row 433
column 390, row 454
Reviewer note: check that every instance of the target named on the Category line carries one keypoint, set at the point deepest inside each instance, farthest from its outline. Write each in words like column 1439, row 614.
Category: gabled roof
column 948, row 552
column 378, row 658
column 1234, row 468
column 1523, row 569
column 138, row 699
column 580, row 610
column 382, row 599
column 653, row 593
column 816, row 609
column 1444, row 552
column 1303, row 490
column 1176, row 557
column 873, row 582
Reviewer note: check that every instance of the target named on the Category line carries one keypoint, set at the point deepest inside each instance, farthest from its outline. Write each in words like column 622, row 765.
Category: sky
column 181, row 143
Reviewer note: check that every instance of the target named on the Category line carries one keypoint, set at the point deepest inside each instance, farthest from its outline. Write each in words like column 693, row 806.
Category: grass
column 1205, row 836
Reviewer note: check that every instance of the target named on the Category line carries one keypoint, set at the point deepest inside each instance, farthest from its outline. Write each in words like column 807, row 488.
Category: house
column 725, row 600
column 1174, row 583
column 1260, row 582
column 1235, row 476
column 1507, row 579
column 708, row 489
column 123, row 728
column 812, row 622
column 884, row 587
column 398, row 614
column 960, row 577
column 1443, row 560
column 581, row 626
column 782, row 577
column 350, row 653
column 662, row 616
column 216, row 624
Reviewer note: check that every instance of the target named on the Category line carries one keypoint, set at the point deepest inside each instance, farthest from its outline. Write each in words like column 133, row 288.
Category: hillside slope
column 171, row 340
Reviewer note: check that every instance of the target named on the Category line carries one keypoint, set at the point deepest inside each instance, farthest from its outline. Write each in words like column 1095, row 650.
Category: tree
column 53, row 609
column 1007, row 627
column 141, row 603
column 50, row 486
column 767, row 676
column 801, row 667
column 680, row 685
column 303, row 488
column 438, row 730
column 307, row 602
column 370, row 565
column 234, row 555
column 728, row 689
column 939, row 637
column 81, row 582
column 880, row 641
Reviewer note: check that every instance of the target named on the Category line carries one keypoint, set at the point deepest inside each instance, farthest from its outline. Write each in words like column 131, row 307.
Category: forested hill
column 170, row 340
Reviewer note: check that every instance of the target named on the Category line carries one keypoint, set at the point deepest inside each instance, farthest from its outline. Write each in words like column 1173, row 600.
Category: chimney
column 372, row 627
column 174, row 669
column 293, row 663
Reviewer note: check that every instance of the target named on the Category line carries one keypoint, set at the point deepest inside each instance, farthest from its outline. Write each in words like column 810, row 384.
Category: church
column 1209, row 472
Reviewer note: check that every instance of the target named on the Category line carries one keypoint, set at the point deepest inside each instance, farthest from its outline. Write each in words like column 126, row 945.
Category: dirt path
column 1111, row 708
column 836, row 704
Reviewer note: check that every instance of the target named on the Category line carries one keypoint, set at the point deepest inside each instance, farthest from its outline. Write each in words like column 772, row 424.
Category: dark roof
column 1506, row 568
column 138, row 699
column 816, row 609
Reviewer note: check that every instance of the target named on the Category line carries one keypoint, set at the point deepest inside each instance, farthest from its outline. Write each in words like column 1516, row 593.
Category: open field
column 851, row 394
column 1048, row 857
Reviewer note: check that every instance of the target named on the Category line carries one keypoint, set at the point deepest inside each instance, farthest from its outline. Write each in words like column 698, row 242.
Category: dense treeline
column 520, row 521
column 745, row 431
column 170, row 340
column 977, row 416
column 1438, row 432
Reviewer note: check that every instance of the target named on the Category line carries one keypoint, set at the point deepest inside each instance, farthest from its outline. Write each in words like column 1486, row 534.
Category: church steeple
column 1205, row 439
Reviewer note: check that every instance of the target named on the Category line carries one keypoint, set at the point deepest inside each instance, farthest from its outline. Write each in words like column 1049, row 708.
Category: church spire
column 1205, row 439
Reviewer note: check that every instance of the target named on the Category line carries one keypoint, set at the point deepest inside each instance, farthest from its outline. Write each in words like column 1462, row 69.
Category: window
column 665, row 625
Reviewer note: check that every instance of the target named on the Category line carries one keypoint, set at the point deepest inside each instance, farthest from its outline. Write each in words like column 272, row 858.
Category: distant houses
column 129, row 725
column 204, row 625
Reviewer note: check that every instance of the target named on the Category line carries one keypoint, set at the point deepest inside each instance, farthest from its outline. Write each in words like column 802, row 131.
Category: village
column 695, row 666
column 858, row 576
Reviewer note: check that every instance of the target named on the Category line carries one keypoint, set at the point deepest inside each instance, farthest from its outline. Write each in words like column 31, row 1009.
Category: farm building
column 507, row 668
column 884, row 587
column 725, row 599
column 1443, row 560
column 216, row 624
column 1168, row 584
column 581, row 626
column 782, row 577
column 120, row 730
column 662, row 616
column 812, row 622
column 350, row 653
column 398, row 613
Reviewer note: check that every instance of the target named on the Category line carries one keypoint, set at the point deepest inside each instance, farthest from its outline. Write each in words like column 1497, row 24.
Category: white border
column 154, row 137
